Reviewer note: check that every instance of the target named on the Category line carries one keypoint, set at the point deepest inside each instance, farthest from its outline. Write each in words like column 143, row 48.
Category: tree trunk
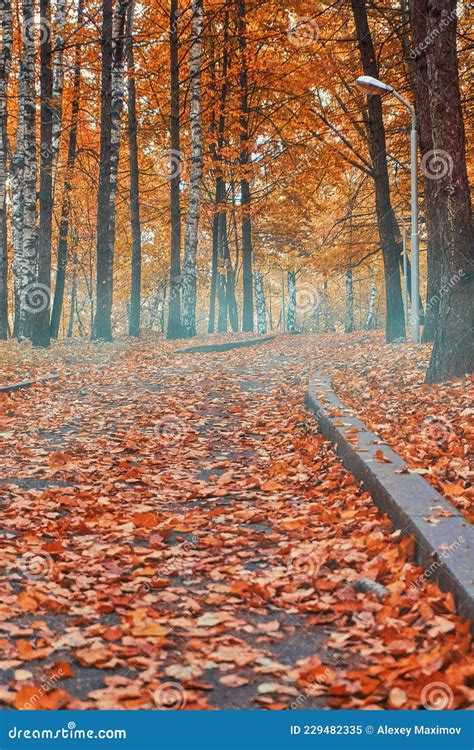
column 5, row 64
column 213, row 289
column 387, row 224
column 326, row 308
column 244, row 160
column 70, row 328
column 370, row 320
column 29, row 298
column 417, row 59
column 291, row 322
column 174, row 330
column 66, row 202
column 453, row 351
column 102, row 325
column 135, row 289
column 58, row 84
column 42, row 317
column 260, row 302
column 221, row 282
column 113, row 35
column 194, row 206
column 349, row 326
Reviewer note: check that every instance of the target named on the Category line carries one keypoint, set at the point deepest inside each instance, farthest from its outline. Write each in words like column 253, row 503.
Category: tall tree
column 58, row 82
column 112, row 84
column 41, row 334
column 5, row 64
column 260, row 302
column 416, row 55
column 62, row 252
column 28, row 296
column 245, row 194
column 291, row 317
column 387, row 224
column 194, row 205
column 453, row 351
column 135, row 289
column 174, row 328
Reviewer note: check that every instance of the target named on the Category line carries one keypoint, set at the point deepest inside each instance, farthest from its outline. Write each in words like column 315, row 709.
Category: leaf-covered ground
column 175, row 533
column 431, row 427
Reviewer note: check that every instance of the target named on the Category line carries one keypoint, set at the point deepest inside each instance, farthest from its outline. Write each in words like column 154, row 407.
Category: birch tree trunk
column 5, row 64
column 135, row 290
column 260, row 302
column 326, row 308
column 192, row 223
column 28, row 296
column 291, row 320
column 41, row 322
column 62, row 252
column 174, row 300
column 370, row 320
column 112, row 90
column 349, row 326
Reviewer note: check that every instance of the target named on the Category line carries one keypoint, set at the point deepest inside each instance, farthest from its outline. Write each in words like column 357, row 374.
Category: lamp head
column 372, row 86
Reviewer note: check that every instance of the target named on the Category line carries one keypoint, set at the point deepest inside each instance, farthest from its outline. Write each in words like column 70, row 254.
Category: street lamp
column 374, row 87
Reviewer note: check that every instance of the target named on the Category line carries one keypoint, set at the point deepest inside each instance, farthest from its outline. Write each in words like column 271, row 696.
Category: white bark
column 349, row 302
column 370, row 320
column 5, row 64
column 291, row 326
column 260, row 302
column 24, row 179
column 192, row 223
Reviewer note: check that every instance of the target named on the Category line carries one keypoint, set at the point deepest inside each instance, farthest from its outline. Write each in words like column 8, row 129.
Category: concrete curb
column 27, row 384
column 444, row 539
column 225, row 347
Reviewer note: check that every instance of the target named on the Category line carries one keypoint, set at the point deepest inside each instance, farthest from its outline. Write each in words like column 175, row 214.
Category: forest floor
column 176, row 533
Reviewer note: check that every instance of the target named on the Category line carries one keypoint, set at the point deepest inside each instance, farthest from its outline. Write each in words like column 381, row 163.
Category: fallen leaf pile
column 176, row 534
column 430, row 426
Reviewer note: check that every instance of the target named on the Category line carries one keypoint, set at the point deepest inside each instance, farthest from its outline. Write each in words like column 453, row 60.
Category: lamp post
column 374, row 87
column 405, row 270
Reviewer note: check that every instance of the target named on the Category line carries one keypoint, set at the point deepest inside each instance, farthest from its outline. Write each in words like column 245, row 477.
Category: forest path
column 176, row 534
